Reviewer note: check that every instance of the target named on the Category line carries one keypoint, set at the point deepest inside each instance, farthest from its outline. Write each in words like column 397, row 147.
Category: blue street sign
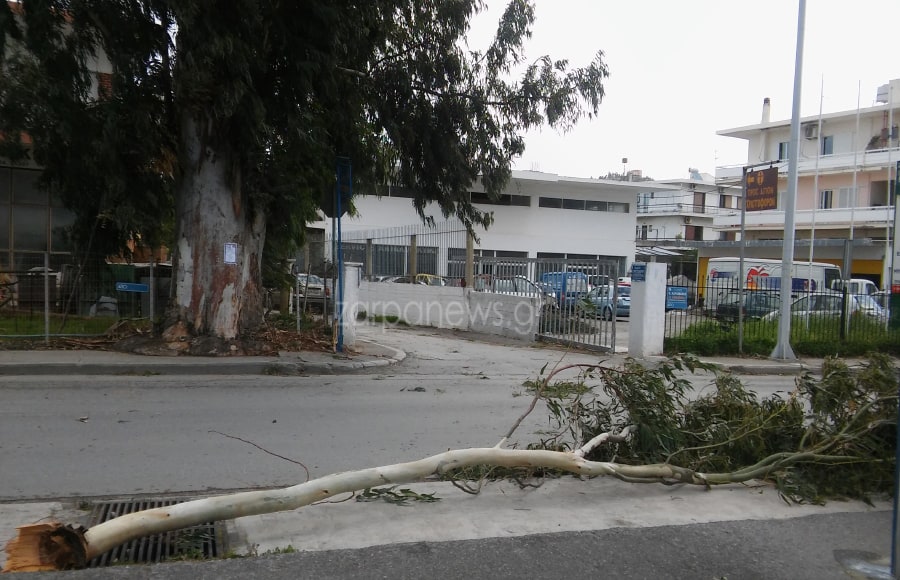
column 676, row 297
column 639, row 272
column 131, row 287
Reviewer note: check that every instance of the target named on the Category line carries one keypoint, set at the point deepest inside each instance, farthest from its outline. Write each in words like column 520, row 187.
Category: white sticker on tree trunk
column 231, row 253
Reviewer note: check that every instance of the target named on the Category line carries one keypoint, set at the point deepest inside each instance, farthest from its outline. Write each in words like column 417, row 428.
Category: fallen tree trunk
column 57, row 546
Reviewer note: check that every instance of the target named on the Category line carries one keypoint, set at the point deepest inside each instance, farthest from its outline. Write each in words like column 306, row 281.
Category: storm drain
column 195, row 543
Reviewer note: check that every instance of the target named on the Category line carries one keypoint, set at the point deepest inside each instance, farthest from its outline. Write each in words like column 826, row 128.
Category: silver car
column 829, row 304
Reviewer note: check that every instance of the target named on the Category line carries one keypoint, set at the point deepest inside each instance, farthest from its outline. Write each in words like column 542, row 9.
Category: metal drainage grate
column 195, row 543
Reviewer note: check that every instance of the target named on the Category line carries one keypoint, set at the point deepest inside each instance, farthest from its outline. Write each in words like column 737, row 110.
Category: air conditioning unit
column 687, row 219
column 811, row 130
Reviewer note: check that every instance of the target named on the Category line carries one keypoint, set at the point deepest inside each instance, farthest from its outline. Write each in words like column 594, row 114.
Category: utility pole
column 783, row 350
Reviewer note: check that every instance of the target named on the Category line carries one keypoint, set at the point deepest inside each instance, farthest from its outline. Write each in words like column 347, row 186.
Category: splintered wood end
column 46, row 546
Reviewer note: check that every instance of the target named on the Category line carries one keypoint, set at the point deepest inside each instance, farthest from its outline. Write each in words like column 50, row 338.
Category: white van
column 723, row 275
column 857, row 286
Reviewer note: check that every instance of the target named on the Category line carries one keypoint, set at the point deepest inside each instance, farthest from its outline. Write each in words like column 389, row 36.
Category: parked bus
column 723, row 274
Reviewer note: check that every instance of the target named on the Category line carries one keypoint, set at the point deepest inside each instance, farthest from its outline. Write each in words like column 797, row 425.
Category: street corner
column 373, row 353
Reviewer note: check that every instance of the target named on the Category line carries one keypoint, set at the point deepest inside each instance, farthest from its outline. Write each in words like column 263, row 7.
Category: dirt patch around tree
column 135, row 336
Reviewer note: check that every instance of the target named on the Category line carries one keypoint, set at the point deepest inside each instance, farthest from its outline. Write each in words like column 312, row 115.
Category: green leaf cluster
column 833, row 436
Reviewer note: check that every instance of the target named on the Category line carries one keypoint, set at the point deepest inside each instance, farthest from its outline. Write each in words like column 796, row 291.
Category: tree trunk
column 219, row 244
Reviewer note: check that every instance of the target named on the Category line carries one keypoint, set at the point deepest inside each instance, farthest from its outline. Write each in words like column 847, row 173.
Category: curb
column 290, row 365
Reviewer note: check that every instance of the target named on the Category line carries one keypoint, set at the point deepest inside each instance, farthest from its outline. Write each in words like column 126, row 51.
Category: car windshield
column 624, row 290
column 866, row 301
column 310, row 279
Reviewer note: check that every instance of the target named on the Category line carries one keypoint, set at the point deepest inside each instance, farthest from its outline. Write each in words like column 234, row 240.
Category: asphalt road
column 87, row 436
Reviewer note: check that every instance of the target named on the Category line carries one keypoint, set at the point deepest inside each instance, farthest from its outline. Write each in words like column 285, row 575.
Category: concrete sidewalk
column 364, row 354
column 377, row 346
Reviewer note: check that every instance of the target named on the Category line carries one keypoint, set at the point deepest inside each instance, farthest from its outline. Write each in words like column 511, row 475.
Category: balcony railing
column 860, row 216
column 840, row 162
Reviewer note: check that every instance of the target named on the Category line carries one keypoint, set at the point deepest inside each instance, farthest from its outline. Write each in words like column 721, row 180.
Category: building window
column 645, row 230
column 554, row 202
column 693, row 232
column 826, row 198
column 573, row 204
column 596, row 205
column 503, row 199
column 784, row 150
column 618, row 207
column 828, row 145
column 724, row 201
column 846, row 197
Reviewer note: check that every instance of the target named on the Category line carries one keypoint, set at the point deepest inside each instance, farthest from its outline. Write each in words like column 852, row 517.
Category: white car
column 830, row 304
column 311, row 287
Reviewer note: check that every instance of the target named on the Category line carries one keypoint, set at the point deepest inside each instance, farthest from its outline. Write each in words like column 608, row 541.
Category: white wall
column 451, row 307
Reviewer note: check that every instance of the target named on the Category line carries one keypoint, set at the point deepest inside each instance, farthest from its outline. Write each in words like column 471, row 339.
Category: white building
column 539, row 215
column 845, row 179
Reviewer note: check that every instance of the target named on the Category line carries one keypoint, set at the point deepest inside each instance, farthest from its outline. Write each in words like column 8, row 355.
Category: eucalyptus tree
column 225, row 120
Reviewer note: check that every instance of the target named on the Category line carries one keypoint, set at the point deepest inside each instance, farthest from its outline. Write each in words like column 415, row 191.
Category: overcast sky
column 682, row 70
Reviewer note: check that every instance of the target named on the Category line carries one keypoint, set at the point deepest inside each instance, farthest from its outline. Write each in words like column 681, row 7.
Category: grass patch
column 816, row 337
column 31, row 323
column 388, row 318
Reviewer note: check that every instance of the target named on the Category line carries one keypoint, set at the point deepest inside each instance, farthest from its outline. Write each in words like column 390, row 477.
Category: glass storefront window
column 25, row 187
column 60, row 222
column 4, row 227
column 4, row 184
column 30, row 228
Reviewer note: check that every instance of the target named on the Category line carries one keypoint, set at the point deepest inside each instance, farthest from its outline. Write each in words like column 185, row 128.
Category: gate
column 580, row 298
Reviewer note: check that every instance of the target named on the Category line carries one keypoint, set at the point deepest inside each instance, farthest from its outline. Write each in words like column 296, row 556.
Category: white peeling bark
column 213, row 297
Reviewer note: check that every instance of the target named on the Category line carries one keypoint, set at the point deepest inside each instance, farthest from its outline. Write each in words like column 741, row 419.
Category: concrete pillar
column 350, row 303
column 413, row 258
column 370, row 260
column 647, row 324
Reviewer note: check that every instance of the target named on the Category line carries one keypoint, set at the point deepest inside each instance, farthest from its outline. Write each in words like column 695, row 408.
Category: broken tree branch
column 58, row 547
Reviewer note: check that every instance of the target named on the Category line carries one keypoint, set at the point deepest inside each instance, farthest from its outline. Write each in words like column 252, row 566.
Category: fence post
column 413, row 254
column 370, row 262
column 46, row 298
column 470, row 260
column 152, row 300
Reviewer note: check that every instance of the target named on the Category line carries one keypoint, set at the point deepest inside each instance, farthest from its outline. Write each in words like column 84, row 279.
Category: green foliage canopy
column 285, row 88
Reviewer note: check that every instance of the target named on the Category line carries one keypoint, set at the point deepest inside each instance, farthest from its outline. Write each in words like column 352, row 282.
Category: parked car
column 603, row 300
column 522, row 286
column 756, row 304
column 830, row 304
column 883, row 298
column 311, row 287
column 567, row 287
column 424, row 279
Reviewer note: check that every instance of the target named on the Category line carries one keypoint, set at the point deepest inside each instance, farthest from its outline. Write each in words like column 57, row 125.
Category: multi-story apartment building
column 846, row 172
column 686, row 211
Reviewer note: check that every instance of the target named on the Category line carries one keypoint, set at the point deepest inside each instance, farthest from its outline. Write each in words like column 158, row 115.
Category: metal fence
column 80, row 297
column 438, row 249
column 736, row 315
column 579, row 298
